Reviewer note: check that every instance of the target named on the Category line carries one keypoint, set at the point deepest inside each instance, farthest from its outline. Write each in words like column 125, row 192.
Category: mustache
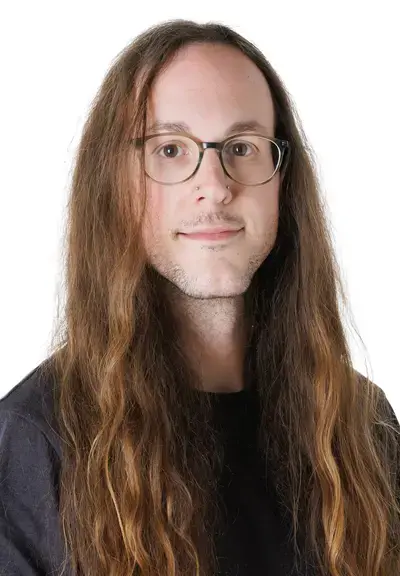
column 219, row 219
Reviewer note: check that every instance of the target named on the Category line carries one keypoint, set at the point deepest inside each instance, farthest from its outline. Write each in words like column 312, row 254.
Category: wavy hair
column 141, row 460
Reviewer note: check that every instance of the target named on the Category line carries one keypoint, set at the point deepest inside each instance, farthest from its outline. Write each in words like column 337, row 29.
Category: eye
column 169, row 150
column 240, row 148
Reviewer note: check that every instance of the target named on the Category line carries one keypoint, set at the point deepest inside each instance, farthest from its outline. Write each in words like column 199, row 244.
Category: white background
column 339, row 61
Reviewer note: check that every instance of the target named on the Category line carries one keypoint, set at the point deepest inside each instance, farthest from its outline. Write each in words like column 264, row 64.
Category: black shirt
column 256, row 538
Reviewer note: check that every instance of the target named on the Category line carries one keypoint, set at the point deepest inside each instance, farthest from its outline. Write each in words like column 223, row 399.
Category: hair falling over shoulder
column 140, row 460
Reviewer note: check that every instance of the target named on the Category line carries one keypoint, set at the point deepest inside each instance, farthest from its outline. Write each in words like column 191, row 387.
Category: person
column 198, row 412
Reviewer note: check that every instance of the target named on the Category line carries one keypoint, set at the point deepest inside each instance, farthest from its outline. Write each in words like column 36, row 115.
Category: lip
column 212, row 235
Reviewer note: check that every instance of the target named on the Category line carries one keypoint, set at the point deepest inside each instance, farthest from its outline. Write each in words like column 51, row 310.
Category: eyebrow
column 244, row 126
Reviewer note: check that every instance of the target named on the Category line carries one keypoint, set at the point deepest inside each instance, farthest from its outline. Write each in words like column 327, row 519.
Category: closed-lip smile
column 216, row 233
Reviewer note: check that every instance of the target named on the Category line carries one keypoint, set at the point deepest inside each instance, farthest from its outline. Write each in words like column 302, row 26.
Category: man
column 202, row 415
column 209, row 234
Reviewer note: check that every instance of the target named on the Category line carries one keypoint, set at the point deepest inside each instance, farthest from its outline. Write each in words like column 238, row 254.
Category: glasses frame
column 283, row 146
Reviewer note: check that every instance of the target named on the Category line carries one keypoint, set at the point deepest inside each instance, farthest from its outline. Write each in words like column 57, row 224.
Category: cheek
column 264, row 211
column 151, row 219
column 156, row 216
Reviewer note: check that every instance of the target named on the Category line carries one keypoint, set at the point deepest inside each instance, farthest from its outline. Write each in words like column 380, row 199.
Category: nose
column 211, row 178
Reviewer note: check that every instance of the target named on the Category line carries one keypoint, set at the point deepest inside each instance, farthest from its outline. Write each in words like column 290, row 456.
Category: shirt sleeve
column 30, row 543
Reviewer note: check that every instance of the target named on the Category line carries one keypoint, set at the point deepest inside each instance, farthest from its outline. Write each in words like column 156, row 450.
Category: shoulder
column 384, row 422
column 30, row 536
column 385, row 412
column 30, row 449
column 30, row 405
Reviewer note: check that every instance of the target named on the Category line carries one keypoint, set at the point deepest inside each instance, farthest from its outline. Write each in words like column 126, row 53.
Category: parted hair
column 141, row 459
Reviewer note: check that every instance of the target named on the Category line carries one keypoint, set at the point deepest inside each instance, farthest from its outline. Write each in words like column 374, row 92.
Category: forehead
column 210, row 87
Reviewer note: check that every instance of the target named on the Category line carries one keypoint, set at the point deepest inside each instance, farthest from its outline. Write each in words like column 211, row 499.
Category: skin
column 209, row 87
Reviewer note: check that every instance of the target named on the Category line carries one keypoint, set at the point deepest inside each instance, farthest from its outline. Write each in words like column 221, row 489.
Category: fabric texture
column 255, row 540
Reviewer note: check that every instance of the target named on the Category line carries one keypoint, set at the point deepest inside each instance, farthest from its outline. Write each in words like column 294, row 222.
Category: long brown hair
column 140, row 458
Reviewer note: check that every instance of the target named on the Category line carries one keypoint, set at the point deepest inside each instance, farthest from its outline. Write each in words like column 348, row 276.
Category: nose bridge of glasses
column 212, row 146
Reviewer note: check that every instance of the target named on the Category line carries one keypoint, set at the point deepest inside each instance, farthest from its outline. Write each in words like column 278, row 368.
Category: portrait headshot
column 200, row 409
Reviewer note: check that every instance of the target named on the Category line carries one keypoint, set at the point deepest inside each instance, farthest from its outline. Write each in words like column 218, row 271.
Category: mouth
column 212, row 236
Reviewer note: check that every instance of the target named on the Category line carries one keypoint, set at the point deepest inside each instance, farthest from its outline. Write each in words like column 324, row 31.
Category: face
column 209, row 88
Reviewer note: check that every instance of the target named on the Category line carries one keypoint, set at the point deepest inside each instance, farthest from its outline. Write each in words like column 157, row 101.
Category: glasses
column 249, row 159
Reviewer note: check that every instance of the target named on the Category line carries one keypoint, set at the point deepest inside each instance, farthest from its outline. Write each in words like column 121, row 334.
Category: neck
column 214, row 335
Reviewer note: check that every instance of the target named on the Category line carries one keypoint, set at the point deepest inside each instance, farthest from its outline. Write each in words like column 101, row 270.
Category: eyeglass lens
column 249, row 160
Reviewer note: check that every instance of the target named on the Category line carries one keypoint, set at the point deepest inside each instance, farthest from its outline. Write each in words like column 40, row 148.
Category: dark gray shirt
column 256, row 538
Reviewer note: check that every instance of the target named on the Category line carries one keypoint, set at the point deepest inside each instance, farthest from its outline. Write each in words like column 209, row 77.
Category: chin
column 214, row 288
column 205, row 282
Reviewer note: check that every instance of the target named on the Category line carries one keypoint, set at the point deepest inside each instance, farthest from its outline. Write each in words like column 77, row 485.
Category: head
column 140, row 459
column 215, row 92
